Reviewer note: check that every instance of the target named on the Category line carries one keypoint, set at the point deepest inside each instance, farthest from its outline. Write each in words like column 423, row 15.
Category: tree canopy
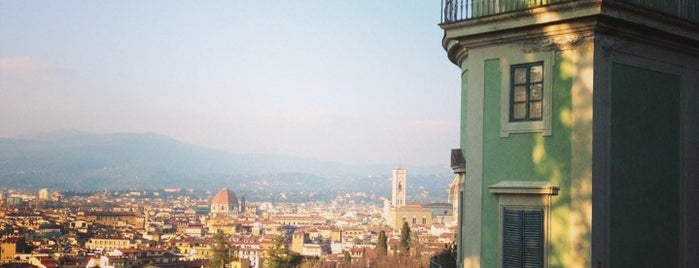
column 222, row 251
column 382, row 245
column 278, row 255
column 405, row 238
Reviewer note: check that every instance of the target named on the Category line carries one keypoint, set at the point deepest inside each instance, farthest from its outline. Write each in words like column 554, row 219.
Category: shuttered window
column 523, row 238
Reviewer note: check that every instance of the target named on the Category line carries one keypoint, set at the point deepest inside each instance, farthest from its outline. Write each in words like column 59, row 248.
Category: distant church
column 397, row 210
column 225, row 203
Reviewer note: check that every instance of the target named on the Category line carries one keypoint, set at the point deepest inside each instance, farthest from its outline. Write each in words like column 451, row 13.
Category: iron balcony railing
column 458, row 10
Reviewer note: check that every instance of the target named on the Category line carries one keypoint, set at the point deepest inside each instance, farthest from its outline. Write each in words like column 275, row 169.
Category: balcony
column 460, row 10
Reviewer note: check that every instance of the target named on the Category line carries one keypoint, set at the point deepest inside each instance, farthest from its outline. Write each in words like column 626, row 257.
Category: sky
column 350, row 81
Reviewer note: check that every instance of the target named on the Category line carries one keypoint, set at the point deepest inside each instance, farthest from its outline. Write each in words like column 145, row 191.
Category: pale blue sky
column 347, row 81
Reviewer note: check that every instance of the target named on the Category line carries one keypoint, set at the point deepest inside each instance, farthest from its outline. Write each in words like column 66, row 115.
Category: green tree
column 311, row 262
column 278, row 255
column 405, row 239
column 381, row 245
column 222, row 252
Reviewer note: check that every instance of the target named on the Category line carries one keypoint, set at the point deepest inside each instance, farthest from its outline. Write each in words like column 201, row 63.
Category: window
column 522, row 238
column 414, row 220
column 526, row 94
column 524, row 222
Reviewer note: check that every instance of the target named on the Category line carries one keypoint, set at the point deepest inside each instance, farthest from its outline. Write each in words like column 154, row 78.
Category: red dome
column 225, row 197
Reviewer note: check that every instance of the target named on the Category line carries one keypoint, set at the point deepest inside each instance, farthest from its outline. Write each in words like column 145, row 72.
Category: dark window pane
column 535, row 92
column 536, row 73
column 520, row 93
column 535, row 110
column 520, row 75
column 520, row 111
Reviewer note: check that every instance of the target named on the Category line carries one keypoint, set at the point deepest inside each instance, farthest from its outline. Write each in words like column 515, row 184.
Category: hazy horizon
column 357, row 82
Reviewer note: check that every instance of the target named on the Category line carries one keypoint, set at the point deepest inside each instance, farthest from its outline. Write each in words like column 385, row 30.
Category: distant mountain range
column 79, row 161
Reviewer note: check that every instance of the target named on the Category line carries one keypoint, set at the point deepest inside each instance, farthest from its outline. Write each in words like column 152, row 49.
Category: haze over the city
column 361, row 82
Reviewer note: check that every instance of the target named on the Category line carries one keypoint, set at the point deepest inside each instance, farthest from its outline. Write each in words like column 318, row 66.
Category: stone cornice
column 524, row 187
column 564, row 26
column 540, row 27
column 456, row 52
column 677, row 39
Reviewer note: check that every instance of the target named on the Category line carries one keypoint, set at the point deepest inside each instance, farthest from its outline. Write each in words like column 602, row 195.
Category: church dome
column 224, row 201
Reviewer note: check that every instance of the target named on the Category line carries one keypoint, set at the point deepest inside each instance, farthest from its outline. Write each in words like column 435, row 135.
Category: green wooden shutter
column 533, row 238
column 512, row 238
column 523, row 238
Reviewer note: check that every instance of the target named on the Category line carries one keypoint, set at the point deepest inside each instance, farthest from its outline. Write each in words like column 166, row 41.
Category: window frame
column 524, row 195
column 543, row 126
column 528, row 85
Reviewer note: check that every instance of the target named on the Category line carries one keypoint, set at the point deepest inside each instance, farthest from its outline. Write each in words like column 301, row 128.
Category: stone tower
column 398, row 187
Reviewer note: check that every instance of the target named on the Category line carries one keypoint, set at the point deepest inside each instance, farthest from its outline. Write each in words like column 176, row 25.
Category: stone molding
column 524, row 188
column 554, row 43
column 566, row 25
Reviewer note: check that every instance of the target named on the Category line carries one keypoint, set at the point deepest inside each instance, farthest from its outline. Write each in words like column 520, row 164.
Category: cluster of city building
column 135, row 230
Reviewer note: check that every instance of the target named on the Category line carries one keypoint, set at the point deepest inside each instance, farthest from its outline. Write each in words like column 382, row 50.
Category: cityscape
column 343, row 134
column 175, row 227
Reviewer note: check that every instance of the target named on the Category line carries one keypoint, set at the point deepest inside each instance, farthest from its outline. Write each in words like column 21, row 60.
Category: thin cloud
column 24, row 64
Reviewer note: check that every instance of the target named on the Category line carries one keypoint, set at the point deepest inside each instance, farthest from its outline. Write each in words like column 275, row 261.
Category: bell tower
column 398, row 187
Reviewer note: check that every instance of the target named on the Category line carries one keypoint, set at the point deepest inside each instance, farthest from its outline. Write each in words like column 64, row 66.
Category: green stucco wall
column 527, row 157
column 644, row 168
column 464, row 89
column 464, row 107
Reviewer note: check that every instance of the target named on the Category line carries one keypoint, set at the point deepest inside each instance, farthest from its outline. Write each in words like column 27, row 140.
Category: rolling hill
column 78, row 161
